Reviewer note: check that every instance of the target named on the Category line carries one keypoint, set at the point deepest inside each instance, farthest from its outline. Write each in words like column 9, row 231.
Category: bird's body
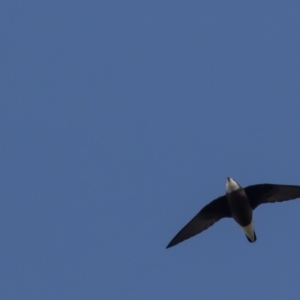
column 238, row 203
column 240, row 208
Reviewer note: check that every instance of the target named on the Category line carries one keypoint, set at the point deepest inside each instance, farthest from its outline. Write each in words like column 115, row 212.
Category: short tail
column 252, row 241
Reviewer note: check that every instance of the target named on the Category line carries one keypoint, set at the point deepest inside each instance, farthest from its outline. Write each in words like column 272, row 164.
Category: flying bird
column 238, row 203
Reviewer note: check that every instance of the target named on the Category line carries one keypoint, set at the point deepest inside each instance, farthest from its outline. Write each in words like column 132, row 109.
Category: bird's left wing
column 270, row 193
column 208, row 215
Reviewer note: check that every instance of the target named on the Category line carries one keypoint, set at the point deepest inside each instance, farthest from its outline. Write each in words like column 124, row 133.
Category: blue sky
column 119, row 121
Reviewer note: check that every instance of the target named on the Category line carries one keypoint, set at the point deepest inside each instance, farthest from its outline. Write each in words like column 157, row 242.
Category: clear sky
column 119, row 121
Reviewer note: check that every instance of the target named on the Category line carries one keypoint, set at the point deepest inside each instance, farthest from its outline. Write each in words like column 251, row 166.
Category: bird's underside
column 223, row 207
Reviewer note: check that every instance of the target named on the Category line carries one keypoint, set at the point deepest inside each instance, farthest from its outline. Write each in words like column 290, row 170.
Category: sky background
column 119, row 121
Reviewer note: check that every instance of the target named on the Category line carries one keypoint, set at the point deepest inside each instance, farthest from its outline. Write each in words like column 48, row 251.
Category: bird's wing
column 208, row 215
column 270, row 193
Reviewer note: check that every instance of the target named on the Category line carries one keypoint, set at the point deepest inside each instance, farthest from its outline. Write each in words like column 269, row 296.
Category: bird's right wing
column 270, row 193
column 208, row 215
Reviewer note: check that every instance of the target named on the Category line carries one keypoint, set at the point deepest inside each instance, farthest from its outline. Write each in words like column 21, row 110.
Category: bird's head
column 231, row 185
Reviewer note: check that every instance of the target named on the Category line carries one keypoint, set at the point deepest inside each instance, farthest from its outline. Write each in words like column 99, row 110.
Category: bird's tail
column 252, row 240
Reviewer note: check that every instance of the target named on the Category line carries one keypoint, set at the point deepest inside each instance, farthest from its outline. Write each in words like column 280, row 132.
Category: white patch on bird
column 249, row 231
column 231, row 185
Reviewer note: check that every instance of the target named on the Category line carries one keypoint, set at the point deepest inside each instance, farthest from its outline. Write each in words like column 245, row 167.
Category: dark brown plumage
column 225, row 207
column 207, row 216
column 270, row 193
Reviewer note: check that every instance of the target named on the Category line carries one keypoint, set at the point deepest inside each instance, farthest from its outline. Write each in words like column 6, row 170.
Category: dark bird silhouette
column 238, row 203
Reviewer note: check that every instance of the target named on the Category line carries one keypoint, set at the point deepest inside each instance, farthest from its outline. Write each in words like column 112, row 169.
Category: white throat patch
column 231, row 185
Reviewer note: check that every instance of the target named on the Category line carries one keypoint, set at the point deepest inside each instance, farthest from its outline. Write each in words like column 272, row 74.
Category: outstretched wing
column 270, row 193
column 208, row 215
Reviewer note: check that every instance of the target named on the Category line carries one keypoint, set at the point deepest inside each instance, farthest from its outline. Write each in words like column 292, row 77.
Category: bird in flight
column 238, row 203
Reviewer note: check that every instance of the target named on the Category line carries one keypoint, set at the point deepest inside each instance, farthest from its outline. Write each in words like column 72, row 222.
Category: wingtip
column 169, row 246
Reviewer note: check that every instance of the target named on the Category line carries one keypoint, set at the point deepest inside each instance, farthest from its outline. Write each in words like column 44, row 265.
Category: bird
column 237, row 203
